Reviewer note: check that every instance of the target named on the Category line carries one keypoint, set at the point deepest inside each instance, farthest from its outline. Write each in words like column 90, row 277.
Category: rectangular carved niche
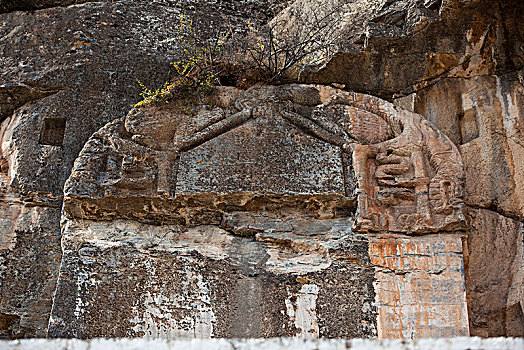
column 53, row 131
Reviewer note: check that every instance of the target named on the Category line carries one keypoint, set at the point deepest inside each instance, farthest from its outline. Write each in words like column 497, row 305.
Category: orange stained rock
column 420, row 286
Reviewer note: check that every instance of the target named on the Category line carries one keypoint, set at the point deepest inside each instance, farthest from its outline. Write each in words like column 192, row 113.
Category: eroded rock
column 495, row 285
column 66, row 71
column 291, row 142
column 188, row 219
column 69, row 70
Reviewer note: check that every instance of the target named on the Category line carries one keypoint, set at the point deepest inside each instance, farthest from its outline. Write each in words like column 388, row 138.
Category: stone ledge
column 473, row 343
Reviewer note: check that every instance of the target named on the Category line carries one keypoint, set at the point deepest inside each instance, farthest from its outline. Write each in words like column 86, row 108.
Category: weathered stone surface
column 27, row 284
column 411, row 183
column 71, row 69
column 393, row 48
column 484, row 117
column 321, row 278
column 265, row 155
column 68, row 70
column 26, row 5
column 155, row 164
column 167, row 281
column 205, row 214
column 494, row 273
column 418, row 293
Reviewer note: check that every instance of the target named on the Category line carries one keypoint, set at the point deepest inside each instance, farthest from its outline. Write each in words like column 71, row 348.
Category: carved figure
column 148, row 158
column 408, row 174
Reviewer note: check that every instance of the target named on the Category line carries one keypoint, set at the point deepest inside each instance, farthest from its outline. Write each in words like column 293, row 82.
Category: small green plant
column 196, row 69
column 152, row 96
column 275, row 53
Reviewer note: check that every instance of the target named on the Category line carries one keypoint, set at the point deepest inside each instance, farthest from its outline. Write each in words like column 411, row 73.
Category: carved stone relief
column 405, row 175
column 188, row 217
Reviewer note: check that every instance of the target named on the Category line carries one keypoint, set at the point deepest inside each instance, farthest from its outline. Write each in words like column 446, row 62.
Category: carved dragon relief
column 410, row 181
column 408, row 174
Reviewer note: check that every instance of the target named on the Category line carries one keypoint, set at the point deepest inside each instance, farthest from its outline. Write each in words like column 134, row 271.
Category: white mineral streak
column 158, row 321
column 205, row 317
column 9, row 208
column 281, row 261
column 303, row 313
column 210, row 241
column 8, row 149
column 83, row 281
column 308, row 251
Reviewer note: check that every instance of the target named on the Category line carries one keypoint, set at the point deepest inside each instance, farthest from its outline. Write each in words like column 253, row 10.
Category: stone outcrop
column 65, row 72
column 394, row 48
column 462, row 70
column 157, row 162
column 496, row 286
column 70, row 67
column 483, row 117
column 270, row 193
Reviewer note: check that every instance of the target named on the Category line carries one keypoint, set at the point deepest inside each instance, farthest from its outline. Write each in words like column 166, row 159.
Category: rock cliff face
column 297, row 193
column 274, row 211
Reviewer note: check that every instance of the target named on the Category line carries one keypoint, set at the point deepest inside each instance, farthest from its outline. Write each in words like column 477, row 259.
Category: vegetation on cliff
column 271, row 54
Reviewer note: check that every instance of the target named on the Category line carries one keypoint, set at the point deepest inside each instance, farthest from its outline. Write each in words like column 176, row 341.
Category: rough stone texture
column 457, row 62
column 479, row 107
column 417, row 294
column 255, row 158
column 393, row 48
column 157, row 164
column 27, row 284
column 165, row 281
column 483, row 115
column 321, row 282
column 282, row 343
column 222, row 228
column 495, row 284
column 70, row 70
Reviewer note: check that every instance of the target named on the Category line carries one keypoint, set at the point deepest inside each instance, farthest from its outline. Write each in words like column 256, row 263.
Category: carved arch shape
column 408, row 174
